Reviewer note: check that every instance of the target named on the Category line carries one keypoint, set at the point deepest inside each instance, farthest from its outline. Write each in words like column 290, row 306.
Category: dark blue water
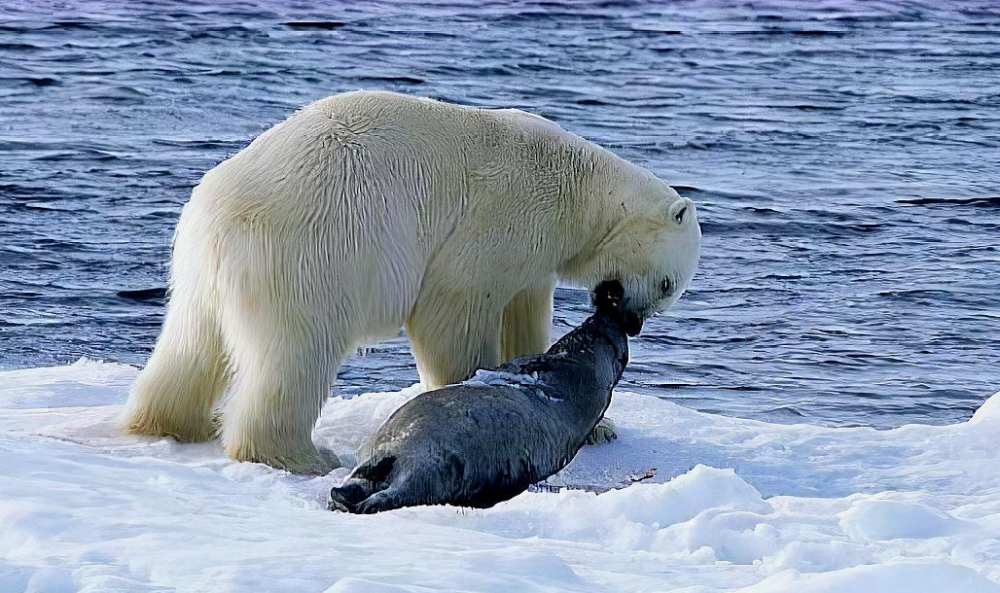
column 844, row 155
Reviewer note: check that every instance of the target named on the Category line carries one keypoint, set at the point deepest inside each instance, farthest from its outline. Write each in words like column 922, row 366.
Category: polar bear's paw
column 326, row 461
column 603, row 433
column 317, row 462
column 323, row 462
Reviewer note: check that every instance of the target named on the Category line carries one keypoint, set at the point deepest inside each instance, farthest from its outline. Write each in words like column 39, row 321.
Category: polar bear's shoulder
column 537, row 121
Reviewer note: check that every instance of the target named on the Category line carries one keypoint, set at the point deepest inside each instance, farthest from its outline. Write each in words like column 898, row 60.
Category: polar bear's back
column 399, row 172
column 337, row 156
column 371, row 158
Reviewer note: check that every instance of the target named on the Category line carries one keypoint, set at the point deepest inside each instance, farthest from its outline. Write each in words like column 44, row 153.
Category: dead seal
column 487, row 439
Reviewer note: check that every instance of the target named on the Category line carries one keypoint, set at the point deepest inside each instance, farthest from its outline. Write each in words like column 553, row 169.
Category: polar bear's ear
column 680, row 212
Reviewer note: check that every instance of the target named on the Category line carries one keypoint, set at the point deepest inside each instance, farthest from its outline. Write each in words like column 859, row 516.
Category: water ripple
column 843, row 154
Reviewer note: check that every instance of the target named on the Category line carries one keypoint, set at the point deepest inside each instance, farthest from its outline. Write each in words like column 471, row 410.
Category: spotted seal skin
column 487, row 439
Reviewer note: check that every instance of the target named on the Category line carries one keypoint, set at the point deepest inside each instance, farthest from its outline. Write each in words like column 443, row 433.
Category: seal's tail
column 346, row 498
column 354, row 497
column 366, row 480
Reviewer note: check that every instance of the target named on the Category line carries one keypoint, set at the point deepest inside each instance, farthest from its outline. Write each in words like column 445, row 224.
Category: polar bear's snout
column 632, row 323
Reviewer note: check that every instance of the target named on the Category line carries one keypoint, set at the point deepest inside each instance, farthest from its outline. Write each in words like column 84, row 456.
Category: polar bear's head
column 675, row 253
column 653, row 251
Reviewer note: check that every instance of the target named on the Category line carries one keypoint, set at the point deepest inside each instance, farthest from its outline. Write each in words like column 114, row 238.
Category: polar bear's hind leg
column 283, row 361
column 278, row 393
column 176, row 391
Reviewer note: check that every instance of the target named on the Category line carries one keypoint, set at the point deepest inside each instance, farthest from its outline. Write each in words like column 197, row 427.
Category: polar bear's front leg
column 453, row 334
column 527, row 320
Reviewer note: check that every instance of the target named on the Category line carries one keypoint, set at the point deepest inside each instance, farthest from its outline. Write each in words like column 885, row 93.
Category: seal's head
column 609, row 299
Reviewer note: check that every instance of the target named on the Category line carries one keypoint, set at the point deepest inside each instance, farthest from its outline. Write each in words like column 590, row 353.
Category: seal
column 487, row 439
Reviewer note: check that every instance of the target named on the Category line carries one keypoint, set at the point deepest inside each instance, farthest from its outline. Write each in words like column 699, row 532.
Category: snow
column 732, row 505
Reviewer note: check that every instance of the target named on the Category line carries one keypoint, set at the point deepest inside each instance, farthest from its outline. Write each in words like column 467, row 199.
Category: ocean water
column 843, row 155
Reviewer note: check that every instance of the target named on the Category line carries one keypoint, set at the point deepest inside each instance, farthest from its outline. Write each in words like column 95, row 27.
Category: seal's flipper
column 385, row 500
column 345, row 498
column 367, row 479
column 603, row 433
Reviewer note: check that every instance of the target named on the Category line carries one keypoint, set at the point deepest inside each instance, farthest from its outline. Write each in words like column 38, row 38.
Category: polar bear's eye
column 679, row 217
column 665, row 286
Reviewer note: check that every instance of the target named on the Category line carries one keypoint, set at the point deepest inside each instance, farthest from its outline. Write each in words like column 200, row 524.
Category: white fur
column 367, row 211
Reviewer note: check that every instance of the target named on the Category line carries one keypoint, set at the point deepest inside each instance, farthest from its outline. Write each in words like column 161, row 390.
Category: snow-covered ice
column 732, row 505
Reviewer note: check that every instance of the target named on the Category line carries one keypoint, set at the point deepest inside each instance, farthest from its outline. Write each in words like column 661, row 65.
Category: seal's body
column 487, row 439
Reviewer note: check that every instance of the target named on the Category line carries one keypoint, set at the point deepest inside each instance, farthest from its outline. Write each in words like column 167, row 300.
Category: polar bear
column 370, row 211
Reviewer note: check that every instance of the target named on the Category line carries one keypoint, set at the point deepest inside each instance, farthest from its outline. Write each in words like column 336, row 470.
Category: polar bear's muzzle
column 632, row 319
column 632, row 322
